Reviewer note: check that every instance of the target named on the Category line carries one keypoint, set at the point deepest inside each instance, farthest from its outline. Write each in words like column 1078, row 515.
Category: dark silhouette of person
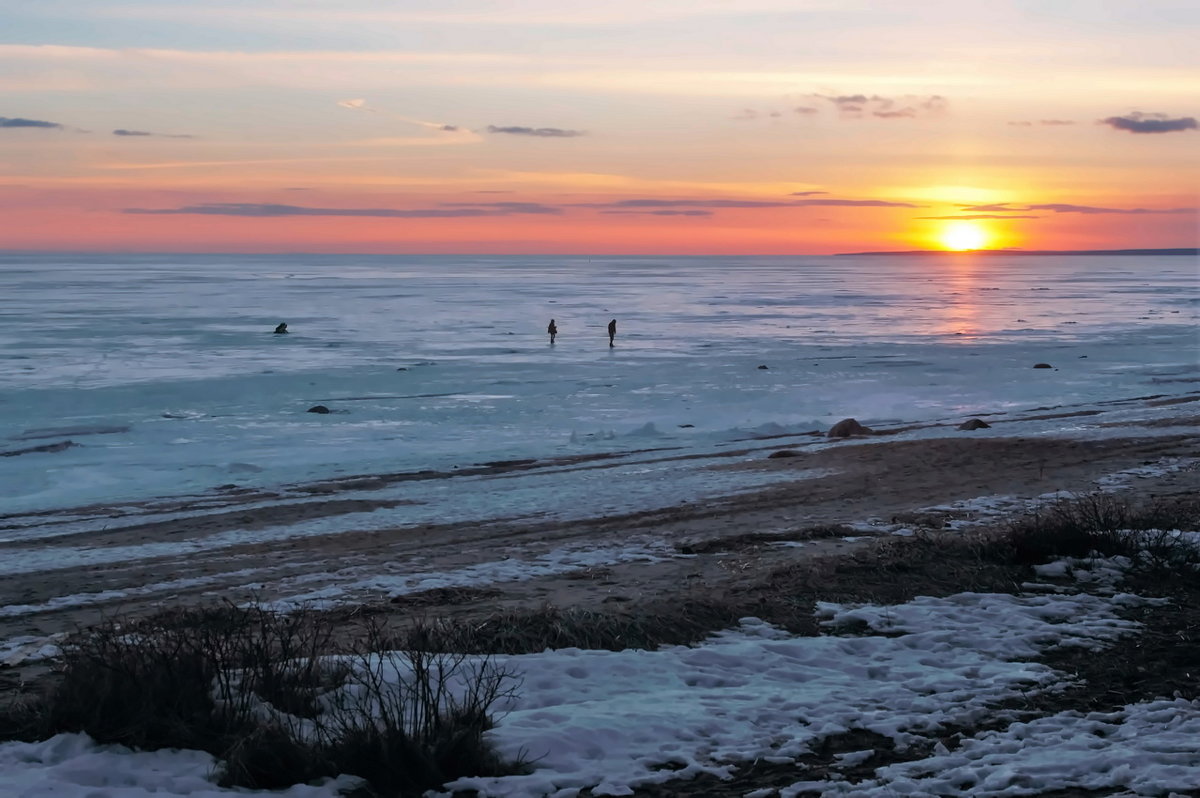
column 552, row 330
column 281, row 329
column 612, row 331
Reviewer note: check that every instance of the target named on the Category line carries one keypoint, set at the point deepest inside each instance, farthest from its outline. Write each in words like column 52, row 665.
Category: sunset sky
column 628, row 126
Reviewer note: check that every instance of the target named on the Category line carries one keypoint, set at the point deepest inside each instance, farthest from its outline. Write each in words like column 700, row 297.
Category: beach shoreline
column 866, row 488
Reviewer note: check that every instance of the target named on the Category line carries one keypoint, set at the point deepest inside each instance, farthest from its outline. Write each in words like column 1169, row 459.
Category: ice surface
column 179, row 350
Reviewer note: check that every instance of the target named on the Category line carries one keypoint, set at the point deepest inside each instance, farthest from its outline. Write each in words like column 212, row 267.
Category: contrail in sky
column 462, row 135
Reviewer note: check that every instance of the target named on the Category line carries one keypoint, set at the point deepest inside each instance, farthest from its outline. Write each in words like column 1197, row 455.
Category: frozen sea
column 164, row 371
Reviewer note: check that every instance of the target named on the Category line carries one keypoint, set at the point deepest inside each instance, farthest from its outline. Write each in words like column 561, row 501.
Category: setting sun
column 962, row 236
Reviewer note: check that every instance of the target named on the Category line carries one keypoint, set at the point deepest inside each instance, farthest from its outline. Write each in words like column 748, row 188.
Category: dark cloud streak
column 537, row 132
column 270, row 210
column 18, row 122
column 728, row 203
column 661, row 213
column 1061, row 207
column 507, row 207
column 1138, row 122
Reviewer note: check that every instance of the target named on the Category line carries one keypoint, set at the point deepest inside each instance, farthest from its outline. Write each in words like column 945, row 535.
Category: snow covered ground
column 613, row 720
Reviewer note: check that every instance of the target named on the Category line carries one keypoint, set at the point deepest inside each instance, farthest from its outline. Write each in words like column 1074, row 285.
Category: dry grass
column 259, row 691
column 749, row 540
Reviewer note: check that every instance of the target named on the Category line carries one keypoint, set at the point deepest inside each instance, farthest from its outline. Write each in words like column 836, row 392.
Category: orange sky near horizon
column 706, row 127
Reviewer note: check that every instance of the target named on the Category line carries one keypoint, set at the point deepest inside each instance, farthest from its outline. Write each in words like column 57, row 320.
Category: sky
column 624, row 127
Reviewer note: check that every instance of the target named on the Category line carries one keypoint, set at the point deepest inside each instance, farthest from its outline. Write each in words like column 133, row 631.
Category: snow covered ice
column 166, row 374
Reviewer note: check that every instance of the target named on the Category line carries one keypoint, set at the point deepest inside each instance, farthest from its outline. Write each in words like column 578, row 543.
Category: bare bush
column 262, row 693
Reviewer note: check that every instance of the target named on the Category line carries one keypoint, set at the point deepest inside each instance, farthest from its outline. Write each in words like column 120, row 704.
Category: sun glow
column 961, row 236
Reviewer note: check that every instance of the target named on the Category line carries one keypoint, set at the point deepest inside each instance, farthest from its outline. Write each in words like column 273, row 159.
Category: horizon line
column 1192, row 250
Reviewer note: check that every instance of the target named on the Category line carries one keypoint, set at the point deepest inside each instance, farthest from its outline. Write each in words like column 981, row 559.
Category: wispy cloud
column 738, row 203
column 645, row 207
column 458, row 135
column 1138, row 122
column 146, row 133
column 269, row 210
column 661, row 213
column 17, row 122
column 847, row 203
column 978, row 216
column 685, row 203
column 508, row 207
column 538, row 132
column 908, row 106
column 806, row 193
column 751, row 114
column 1043, row 122
column 1061, row 207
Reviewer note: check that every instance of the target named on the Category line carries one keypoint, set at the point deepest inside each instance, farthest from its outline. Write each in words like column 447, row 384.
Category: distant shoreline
column 1174, row 251
column 1192, row 251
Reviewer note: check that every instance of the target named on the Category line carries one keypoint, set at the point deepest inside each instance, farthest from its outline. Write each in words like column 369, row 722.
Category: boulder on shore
column 783, row 453
column 847, row 427
column 974, row 423
column 318, row 409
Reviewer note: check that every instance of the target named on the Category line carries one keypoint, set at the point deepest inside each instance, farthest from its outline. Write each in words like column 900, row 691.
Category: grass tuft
column 260, row 691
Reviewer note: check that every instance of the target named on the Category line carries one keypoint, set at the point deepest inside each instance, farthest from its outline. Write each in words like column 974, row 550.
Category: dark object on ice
column 783, row 453
column 59, row 432
column 847, row 427
column 1042, row 366
column 686, row 426
column 612, row 331
column 1083, row 356
column 281, row 329
column 46, row 447
column 318, row 409
column 764, row 368
column 552, row 330
column 508, row 463
column 974, row 423
column 402, row 368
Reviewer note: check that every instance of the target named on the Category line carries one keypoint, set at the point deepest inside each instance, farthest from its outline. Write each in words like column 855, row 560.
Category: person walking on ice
column 612, row 331
column 552, row 330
